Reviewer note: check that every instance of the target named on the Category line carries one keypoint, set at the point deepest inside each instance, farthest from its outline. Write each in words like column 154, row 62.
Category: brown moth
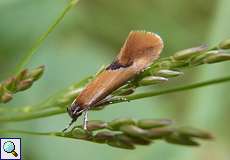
column 138, row 52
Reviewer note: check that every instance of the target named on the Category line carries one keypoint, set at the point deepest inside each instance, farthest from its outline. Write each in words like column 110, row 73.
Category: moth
column 138, row 52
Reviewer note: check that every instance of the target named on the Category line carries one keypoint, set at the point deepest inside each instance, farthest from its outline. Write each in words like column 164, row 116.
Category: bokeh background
column 90, row 36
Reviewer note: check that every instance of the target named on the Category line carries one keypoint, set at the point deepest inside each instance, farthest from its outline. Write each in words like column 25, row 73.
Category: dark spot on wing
column 116, row 65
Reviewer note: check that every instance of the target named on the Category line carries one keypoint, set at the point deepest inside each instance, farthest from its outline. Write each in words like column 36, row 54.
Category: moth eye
column 69, row 110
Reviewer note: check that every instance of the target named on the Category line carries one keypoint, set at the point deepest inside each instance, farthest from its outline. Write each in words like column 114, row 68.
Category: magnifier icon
column 9, row 147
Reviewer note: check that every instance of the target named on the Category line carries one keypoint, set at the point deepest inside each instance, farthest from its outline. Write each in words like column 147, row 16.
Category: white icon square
column 10, row 149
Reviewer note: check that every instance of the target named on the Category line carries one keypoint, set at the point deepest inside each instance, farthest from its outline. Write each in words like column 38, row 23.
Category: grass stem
column 28, row 55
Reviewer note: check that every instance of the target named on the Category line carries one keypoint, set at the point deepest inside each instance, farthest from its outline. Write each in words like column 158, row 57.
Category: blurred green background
column 90, row 36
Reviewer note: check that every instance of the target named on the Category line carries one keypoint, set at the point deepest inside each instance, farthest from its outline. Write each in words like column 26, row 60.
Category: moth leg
column 103, row 101
column 85, row 121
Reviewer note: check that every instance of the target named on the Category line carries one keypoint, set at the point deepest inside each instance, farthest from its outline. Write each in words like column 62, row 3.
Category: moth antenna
column 69, row 125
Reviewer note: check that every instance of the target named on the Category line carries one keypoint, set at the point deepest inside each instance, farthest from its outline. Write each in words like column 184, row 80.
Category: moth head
column 74, row 110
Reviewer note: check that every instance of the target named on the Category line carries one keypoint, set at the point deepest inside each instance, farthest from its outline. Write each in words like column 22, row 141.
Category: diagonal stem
column 57, row 110
column 177, row 89
column 25, row 132
column 28, row 55
column 31, row 115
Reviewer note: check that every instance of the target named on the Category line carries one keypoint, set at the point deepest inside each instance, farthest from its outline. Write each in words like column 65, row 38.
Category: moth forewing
column 141, row 47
